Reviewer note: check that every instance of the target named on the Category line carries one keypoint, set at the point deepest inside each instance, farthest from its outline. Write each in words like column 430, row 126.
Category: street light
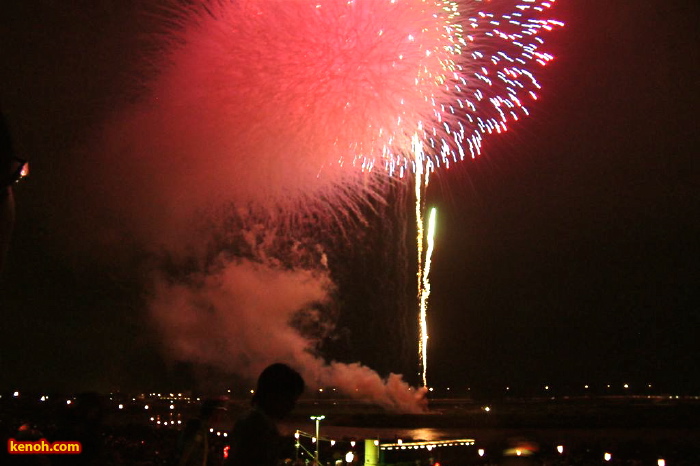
column 318, row 420
column 296, row 443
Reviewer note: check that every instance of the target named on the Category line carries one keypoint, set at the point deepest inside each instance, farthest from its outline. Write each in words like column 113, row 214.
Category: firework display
column 309, row 108
column 302, row 95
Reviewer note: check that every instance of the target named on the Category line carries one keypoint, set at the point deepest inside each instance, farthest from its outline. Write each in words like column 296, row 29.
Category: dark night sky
column 567, row 254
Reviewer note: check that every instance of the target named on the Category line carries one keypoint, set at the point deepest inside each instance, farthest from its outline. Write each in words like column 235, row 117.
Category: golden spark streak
column 421, row 183
column 425, row 292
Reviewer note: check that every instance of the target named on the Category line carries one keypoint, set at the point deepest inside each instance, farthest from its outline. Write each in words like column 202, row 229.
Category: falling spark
column 424, row 295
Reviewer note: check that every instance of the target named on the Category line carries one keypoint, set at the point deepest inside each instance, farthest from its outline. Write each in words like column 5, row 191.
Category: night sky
column 566, row 255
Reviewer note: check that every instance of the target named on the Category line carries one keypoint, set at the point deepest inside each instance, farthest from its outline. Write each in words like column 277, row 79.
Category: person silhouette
column 11, row 170
column 255, row 438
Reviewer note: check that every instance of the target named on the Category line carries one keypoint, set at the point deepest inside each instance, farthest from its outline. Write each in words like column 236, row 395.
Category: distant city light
column 521, row 450
column 349, row 457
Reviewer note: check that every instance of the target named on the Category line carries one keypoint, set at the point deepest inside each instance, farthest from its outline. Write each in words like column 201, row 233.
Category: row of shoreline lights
column 545, row 387
column 428, row 445
column 607, row 456
column 508, row 388
column 400, row 445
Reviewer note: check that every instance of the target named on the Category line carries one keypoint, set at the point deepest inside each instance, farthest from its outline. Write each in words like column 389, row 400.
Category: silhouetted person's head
column 279, row 387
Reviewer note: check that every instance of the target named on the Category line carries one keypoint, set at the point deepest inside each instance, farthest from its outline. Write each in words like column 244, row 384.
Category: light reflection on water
column 383, row 433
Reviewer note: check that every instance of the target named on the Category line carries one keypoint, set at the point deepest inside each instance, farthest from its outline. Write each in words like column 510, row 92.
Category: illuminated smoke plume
column 239, row 318
column 276, row 111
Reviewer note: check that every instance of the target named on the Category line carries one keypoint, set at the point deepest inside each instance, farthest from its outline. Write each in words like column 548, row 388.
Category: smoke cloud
column 242, row 317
